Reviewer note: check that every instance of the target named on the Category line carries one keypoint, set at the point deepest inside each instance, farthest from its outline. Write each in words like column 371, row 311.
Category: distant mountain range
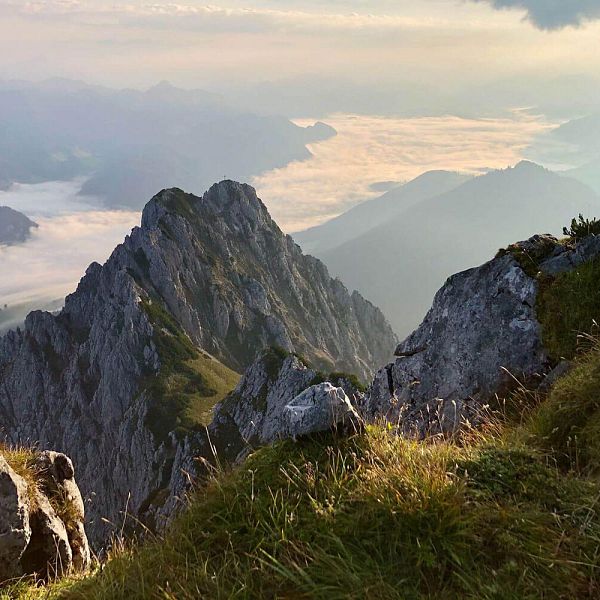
column 575, row 142
column 442, row 225
column 131, row 143
column 15, row 227
column 366, row 216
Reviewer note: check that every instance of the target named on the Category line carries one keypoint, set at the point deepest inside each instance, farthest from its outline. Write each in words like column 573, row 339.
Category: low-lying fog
column 71, row 235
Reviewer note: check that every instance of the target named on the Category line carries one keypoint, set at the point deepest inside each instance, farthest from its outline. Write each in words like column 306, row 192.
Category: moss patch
column 530, row 259
column 337, row 378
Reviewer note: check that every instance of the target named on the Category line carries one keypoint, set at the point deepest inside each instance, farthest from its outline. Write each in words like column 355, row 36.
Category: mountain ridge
column 111, row 379
column 15, row 227
column 369, row 214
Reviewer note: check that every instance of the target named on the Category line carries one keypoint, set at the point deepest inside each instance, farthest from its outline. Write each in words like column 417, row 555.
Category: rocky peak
column 258, row 289
column 204, row 283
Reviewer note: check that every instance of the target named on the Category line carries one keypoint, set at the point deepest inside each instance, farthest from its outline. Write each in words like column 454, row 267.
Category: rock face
column 278, row 397
column 238, row 284
column 15, row 227
column 56, row 477
column 252, row 415
column 214, row 273
column 482, row 321
column 15, row 530
column 41, row 522
column 319, row 408
column 480, row 334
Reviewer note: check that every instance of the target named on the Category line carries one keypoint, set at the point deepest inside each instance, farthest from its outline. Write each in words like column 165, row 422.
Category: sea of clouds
column 368, row 150
column 71, row 235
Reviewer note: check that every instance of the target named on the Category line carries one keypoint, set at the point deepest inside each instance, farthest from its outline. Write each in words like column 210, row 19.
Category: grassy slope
column 190, row 382
column 374, row 516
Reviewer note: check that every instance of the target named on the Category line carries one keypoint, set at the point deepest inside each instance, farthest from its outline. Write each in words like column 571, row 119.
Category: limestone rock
column 253, row 415
column 41, row 521
column 49, row 553
column 480, row 333
column 57, row 479
column 319, row 408
column 15, row 529
column 567, row 256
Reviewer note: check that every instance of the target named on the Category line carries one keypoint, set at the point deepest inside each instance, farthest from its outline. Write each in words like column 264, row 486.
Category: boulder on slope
column 319, row 408
column 41, row 519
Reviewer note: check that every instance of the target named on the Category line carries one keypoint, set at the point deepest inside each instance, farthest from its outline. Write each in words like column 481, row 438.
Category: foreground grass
column 373, row 516
column 508, row 514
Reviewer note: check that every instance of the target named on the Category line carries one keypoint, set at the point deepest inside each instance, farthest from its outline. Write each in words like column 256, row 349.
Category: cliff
column 151, row 340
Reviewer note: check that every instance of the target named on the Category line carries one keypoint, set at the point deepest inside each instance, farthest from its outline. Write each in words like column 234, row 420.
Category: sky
column 429, row 44
column 410, row 85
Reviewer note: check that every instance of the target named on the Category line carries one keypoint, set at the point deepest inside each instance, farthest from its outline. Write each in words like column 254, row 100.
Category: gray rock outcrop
column 253, row 414
column 481, row 329
column 56, row 479
column 41, row 520
column 480, row 336
column 266, row 406
column 212, row 273
column 15, row 530
column 319, row 408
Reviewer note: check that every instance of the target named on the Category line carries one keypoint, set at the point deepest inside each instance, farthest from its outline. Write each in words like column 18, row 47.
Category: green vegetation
column 567, row 423
column 21, row 460
column 181, row 203
column 337, row 378
column 273, row 359
column 568, row 306
column 189, row 383
column 218, row 378
column 487, row 516
column 531, row 258
column 581, row 228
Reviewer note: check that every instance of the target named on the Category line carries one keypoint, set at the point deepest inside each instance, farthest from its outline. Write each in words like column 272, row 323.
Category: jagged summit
column 258, row 287
column 152, row 337
column 227, row 198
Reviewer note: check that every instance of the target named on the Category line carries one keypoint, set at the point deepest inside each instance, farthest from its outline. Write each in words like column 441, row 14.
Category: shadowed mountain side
column 403, row 262
column 368, row 215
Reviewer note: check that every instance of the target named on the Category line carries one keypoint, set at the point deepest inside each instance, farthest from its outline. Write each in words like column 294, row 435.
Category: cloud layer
column 553, row 14
column 51, row 263
column 369, row 150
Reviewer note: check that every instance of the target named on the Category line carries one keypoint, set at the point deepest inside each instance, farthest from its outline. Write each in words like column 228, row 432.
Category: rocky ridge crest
column 212, row 275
